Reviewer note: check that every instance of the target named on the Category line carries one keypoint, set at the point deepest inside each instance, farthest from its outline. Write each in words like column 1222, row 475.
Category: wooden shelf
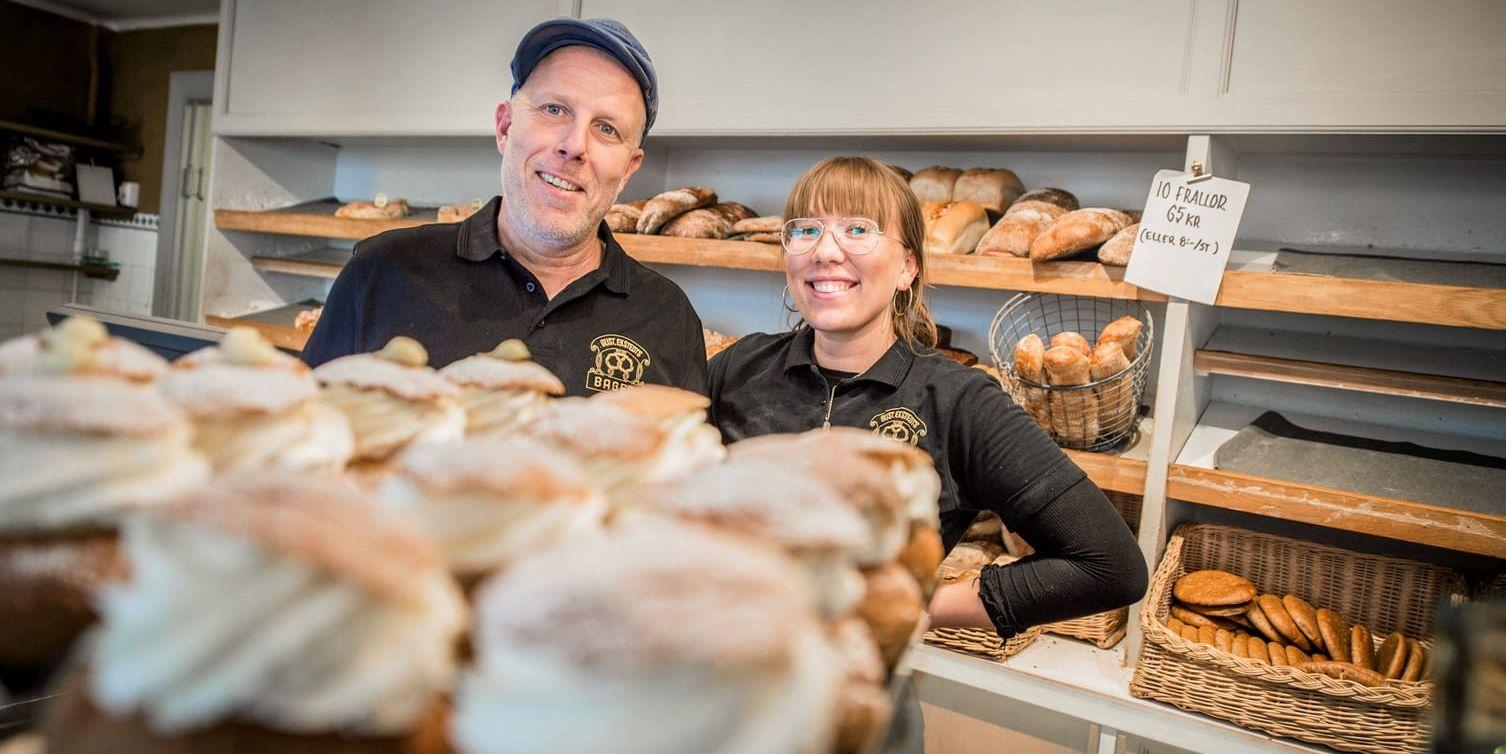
column 1079, row 680
column 1457, row 294
column 276, row 325
column 1360, row 379
column 1403, row 290
column 1193, row 478
column 989, row 272
column 320, row 263
column 1122, row 470
column 48, row 134
column 316, row 219
column 96, row 271
column 103, row 210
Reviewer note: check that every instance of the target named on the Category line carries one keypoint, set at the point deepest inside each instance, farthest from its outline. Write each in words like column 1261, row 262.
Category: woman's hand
column 956, row 604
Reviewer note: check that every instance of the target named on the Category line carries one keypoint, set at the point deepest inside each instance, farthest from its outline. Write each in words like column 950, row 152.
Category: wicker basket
column 976, row 641
column 1105, row 629
column 1097, row 416
column 1386, row 594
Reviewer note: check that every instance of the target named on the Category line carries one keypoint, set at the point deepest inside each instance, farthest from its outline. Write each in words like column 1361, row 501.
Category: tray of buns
column 1292, row 638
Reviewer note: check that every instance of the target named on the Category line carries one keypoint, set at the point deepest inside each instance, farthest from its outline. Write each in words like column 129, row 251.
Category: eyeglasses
column 856, row 235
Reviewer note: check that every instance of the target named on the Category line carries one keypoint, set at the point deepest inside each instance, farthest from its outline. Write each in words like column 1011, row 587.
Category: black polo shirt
column 989, row 453
column 453, row 288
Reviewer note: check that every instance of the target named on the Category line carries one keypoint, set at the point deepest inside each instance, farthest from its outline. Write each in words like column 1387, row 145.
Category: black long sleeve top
column 989, row 453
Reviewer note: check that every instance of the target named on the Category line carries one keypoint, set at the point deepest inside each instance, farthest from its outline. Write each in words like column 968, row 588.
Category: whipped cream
column 312, row 436
column 524, row 698
column 214, row 627
column 53, row 480
column 384, row 423
column 500, row 411
column 490, row 501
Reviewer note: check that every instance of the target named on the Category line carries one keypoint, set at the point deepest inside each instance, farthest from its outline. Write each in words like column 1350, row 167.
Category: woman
column 862, row 356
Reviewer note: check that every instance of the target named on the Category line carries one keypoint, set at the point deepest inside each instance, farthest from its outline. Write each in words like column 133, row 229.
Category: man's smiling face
column 569, row 143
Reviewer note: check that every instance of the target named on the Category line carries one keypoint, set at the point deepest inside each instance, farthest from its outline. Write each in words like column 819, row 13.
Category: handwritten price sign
column 1185, row 235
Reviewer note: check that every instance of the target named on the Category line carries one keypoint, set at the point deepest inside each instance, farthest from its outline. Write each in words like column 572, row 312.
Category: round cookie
column 1189, row 633
column 1319, row 657
column 1220, row 612
column 1391, row 658
column 1213, row 589
column 1194, row 619
column 1241, row 646
column 1415, row 657
column 1261, row 624
column 1276, row 654
column 1207, row 635
column 1256, row 650
column 1306, row 618
column 1175, row 626
column 1344, row 671
column 1223, row 639
column 1335, row 631
column 1361, row 647
column 1281, row 620
column 1295, row 656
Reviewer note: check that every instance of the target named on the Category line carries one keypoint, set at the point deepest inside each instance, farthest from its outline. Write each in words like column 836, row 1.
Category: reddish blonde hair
column 869, row 188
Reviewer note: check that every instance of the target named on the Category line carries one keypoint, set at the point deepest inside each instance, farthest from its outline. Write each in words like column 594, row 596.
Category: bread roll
column 1126, row 332
column 1073, row 340
column 892, row 607
column 380, row 209
column 706, row 222
column 454, row 213
column 1029, row 355
column 954, row 227
column 1077, row 231
column 623, row 218
column 1066, row 365
column 1108, row 360
column 1021, row 223
column 734, row 212
column 903, row 173
column 935, row 183
column 995, row 189
column 1062, row 198
column 764, row 224
column 671, row 204
column 1116, row 250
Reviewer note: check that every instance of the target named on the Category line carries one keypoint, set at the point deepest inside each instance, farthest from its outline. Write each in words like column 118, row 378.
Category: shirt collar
column 478, row 242
column 891, row 368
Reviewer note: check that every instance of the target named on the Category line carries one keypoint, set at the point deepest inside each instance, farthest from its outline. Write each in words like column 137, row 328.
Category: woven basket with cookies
column 1280, row 635
column 985, row 542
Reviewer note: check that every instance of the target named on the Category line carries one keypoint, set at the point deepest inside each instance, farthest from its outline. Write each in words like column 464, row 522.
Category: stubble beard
column 568, row 234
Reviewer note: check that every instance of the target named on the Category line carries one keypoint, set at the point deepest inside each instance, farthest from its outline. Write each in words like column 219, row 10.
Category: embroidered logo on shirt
column 619, row 363
column 898, row 424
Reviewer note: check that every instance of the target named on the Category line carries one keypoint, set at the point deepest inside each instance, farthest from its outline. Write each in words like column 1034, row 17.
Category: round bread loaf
column 1281, row 620
column 1391, row 658
column 1306, row 617
column 1335, row 632
column 1361, row 647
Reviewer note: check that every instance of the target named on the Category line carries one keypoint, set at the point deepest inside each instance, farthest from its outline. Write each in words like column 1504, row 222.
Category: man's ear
column 504, row 124
column 633, row 165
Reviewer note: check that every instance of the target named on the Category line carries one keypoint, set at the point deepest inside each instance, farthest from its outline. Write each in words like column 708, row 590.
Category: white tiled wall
column 27, row 294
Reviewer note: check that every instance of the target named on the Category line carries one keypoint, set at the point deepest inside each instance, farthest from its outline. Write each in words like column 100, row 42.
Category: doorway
column 185, row 192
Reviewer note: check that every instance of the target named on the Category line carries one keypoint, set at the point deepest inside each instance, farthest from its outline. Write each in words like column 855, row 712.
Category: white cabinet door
column 890, row 66
column 1389, row 64
column 379, row 67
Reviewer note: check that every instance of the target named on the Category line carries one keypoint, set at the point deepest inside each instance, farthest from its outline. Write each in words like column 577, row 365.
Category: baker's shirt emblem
column 619, row 362
column 900, row 424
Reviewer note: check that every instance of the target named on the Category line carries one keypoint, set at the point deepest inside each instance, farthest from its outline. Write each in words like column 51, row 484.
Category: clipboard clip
column 1198, row 174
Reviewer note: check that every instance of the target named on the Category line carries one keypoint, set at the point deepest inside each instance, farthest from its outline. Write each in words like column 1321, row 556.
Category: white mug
column 129, row 194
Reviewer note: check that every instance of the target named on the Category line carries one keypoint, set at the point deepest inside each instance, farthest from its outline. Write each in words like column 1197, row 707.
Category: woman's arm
column 1086, row 561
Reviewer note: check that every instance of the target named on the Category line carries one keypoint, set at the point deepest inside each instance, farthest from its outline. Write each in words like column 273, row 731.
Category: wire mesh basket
column 1097, row 415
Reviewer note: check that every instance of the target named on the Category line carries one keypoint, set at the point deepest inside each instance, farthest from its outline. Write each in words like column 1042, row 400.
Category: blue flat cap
column 604, row 34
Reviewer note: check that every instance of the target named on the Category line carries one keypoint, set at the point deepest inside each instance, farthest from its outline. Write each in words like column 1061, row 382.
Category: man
column 537, row 262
